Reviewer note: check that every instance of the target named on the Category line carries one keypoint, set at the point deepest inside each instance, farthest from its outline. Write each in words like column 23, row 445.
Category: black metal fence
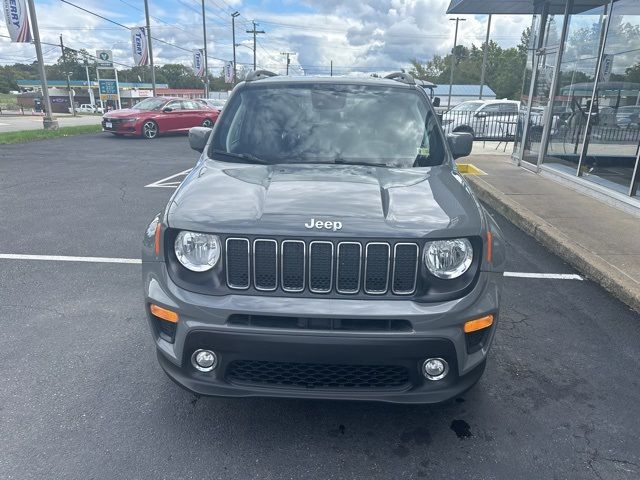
column 567, row 128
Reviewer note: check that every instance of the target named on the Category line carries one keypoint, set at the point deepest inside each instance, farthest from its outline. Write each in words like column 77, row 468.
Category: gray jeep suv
column 324, row 246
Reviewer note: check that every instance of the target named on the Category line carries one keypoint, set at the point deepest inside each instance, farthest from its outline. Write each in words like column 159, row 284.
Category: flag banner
column 228, row 72
column 140, row 46
column 15, row 14
column 198, row 62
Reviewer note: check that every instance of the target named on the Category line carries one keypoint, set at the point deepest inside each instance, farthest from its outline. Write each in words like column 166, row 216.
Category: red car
column 154, row 116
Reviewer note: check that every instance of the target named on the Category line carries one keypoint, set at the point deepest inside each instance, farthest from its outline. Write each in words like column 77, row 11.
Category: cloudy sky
column 357, row 35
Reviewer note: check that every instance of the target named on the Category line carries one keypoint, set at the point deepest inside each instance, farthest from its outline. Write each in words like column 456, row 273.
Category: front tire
column 207, row 122
column 150, row 129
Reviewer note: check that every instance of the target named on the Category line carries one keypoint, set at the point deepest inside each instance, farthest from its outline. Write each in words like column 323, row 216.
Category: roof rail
column 259, row 75
column 401, row 77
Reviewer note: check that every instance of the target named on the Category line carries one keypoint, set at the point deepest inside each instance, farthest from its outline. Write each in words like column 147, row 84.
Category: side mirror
column 436, row 102
column 460, row 144
column 167, row 109
column 198, row 138
column 481, row 115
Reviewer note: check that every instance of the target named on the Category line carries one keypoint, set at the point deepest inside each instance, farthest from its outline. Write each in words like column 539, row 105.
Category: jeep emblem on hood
column 327, row 225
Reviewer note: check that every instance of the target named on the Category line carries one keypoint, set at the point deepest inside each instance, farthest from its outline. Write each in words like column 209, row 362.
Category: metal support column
column 537, row 52
column 553, row 90
column 594, row 93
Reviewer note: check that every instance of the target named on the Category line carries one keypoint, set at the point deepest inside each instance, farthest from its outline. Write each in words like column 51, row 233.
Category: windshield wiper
column 246, row 157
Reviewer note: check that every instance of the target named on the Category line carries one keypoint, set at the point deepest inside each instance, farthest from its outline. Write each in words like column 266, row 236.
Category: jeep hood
column 368, row 201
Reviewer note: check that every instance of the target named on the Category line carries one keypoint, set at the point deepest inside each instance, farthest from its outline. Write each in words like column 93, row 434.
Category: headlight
column 130, row 120
column 448, row 259
column 198, row 252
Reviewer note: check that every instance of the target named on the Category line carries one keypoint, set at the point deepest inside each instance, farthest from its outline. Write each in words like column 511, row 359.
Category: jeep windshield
column 327, row 123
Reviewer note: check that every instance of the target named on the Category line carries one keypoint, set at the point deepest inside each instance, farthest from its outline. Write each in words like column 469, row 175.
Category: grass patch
column 31, row 135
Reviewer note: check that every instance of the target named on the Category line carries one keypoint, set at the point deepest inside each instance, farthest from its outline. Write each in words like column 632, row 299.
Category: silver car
column 316, row 251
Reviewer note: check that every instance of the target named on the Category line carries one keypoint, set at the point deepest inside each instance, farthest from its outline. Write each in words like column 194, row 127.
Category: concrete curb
column 588, row 263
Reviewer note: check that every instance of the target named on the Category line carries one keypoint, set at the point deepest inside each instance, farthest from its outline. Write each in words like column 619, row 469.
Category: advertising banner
column 228, row 72
column 198, row 62
column 17, row 18
column 606, row 68
column 140, row 46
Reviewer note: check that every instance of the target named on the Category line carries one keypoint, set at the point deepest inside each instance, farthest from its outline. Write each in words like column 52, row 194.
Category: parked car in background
column 214, row 102
column 628, row 117
column 154, row 116
column 495, row 119
column 87, row 108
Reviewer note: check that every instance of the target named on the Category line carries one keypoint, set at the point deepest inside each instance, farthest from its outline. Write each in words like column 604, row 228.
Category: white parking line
column 137, row 261
column 164, row 183
column 552, row 276
column 64, row 258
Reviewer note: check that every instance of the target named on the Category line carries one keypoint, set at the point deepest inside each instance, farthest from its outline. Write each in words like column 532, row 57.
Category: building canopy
column 515, row 7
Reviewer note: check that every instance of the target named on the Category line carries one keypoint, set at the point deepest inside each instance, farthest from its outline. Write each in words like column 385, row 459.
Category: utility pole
column 484, row 57
column 255, row 32
column 287, row 54
column 453, row 56
column 206, row 65
column 233, row 32
column 66, row 72
column 332, row 68
column 48, row 122
column 153, row 70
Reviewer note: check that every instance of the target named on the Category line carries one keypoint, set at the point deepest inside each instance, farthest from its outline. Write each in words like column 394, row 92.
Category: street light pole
column 484, row 57
column 153, row 70
column 233, row 32
column 48, row 122
column 453, row 56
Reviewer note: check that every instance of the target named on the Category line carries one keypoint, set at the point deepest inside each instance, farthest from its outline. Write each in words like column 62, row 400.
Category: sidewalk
column 600, row 241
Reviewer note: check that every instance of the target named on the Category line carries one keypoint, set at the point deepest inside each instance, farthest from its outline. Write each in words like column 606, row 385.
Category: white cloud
column 358, row 36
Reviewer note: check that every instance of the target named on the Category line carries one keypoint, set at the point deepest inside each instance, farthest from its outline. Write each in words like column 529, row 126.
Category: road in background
column 14, row 123
column 83, row 397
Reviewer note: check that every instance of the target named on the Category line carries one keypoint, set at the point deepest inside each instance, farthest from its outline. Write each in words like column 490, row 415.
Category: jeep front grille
column 322, row 266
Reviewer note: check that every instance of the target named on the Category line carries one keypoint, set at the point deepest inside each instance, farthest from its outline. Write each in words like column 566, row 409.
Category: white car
column 496, row 119
column 87, row 108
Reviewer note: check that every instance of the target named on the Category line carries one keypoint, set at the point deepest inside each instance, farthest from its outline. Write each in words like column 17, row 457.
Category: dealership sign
column 198, row 62
column 140, row 46
column 104, row 58
column 15, row 14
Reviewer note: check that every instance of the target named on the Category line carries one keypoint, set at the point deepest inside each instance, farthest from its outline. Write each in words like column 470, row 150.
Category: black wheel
column 207, row 122
column 149, row 129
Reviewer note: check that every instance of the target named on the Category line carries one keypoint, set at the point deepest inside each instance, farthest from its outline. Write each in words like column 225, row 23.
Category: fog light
column 204, row 360
column 435, row 368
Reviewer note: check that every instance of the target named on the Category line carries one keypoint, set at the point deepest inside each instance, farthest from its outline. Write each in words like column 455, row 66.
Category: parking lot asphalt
column 82, row 396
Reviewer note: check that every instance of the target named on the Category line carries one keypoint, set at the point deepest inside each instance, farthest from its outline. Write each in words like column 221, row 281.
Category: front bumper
column 121, row 127
column 436, row 332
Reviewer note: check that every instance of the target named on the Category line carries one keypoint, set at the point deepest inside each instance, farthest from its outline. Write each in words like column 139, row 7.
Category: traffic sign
column 104, row 58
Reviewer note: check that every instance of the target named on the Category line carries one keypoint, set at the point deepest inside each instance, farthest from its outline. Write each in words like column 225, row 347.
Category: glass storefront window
column 570, row 106
column 546, row 62
column 614, row 133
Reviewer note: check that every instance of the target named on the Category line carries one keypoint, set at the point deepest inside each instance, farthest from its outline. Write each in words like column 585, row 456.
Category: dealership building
column 580, row 115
